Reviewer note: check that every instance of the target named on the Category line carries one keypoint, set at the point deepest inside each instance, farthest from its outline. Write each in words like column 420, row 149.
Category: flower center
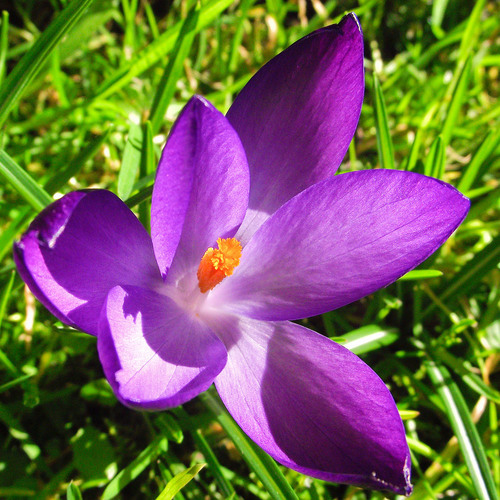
column 217, row 263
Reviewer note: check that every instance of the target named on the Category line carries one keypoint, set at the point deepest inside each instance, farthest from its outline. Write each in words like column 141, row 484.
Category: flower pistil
column 217, row 263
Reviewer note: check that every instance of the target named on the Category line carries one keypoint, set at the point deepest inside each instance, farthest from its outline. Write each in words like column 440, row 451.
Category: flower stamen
column 217, row 263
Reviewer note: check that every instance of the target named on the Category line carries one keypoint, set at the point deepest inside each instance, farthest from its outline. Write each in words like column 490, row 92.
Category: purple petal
column 340, row 240
column 79, row 248
column 154, row 354
column 201, row 188
column 297, row 116
column 311, row 404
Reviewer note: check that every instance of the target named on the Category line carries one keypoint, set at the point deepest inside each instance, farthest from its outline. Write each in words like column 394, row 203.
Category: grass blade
column 27, row 68
column 474, row 24
column 384, row 140
column 484, row 151
column 472, row 272
column 209, row 456
column 167, row 85
column 421, row 274
column 156, row 50
column 369, row 338
column 132, row 470
column 435, row 162
column 465, row 430
column 259, row 461
column 179, row 481
column 464, row 369
column 131, row 162
column 73, row 492
column 456, row 102
column 58, row 180
column 23, row 183
column 4, row 44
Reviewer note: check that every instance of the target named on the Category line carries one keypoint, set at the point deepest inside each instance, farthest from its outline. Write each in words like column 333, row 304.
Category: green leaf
column 438, row 10
column 464, row 369
column 465, row 430
column 58, row 180
column 179, row 481
column 435, row 161
column 421, row 274
column 172, row 73
column 474, row 24
column 4, row 299
column 169, row 427
column 415, row 147
column 100, row 391
column 456, row 102
column 31, row 63
column 384, row 140
column 369, row 338
column 484, row 151
column 214, row 465
column 93, row 455
column 131, row 162
column 4, row 44
column 23, row 183
column 73, row 492
column 143, row 460
column 471, row 273
column 16, row 381
column 260, row 462
column 157, row 50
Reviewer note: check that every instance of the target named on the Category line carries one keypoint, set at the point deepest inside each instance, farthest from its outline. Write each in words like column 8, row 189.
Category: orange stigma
column 217, row 263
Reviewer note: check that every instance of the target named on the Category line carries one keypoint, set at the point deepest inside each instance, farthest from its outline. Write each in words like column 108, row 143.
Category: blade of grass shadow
column 27, row 68
column 465, row 430
column 260, row 462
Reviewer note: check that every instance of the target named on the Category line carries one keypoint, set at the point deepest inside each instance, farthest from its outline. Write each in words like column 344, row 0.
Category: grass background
column 88, row 92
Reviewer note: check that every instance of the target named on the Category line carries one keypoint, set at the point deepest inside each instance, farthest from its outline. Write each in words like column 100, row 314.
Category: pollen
column 217, row 263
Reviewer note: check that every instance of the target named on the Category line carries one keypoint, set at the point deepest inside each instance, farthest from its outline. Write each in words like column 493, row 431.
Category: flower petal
column 79, row 248
column 311, row 404
column 153, row 353
column 297, row 116
column 338, row 241
column 201, row 187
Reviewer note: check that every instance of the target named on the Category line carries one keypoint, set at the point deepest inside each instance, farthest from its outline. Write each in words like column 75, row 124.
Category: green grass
column 88, row 92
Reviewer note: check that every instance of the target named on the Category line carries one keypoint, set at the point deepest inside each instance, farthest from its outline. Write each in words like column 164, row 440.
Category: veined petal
column 297, row 116
column 80, row 247
column 338, row 241
column 311, row 404
column 201, row 188
column 154, row 354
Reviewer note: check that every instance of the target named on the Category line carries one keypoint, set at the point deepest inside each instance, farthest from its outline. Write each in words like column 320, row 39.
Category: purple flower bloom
column 251, row 229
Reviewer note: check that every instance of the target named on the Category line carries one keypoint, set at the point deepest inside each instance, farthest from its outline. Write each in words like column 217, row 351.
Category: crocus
column 251, row 229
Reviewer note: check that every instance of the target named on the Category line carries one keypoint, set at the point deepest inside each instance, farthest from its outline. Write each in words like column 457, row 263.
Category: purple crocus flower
column 250, row 229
